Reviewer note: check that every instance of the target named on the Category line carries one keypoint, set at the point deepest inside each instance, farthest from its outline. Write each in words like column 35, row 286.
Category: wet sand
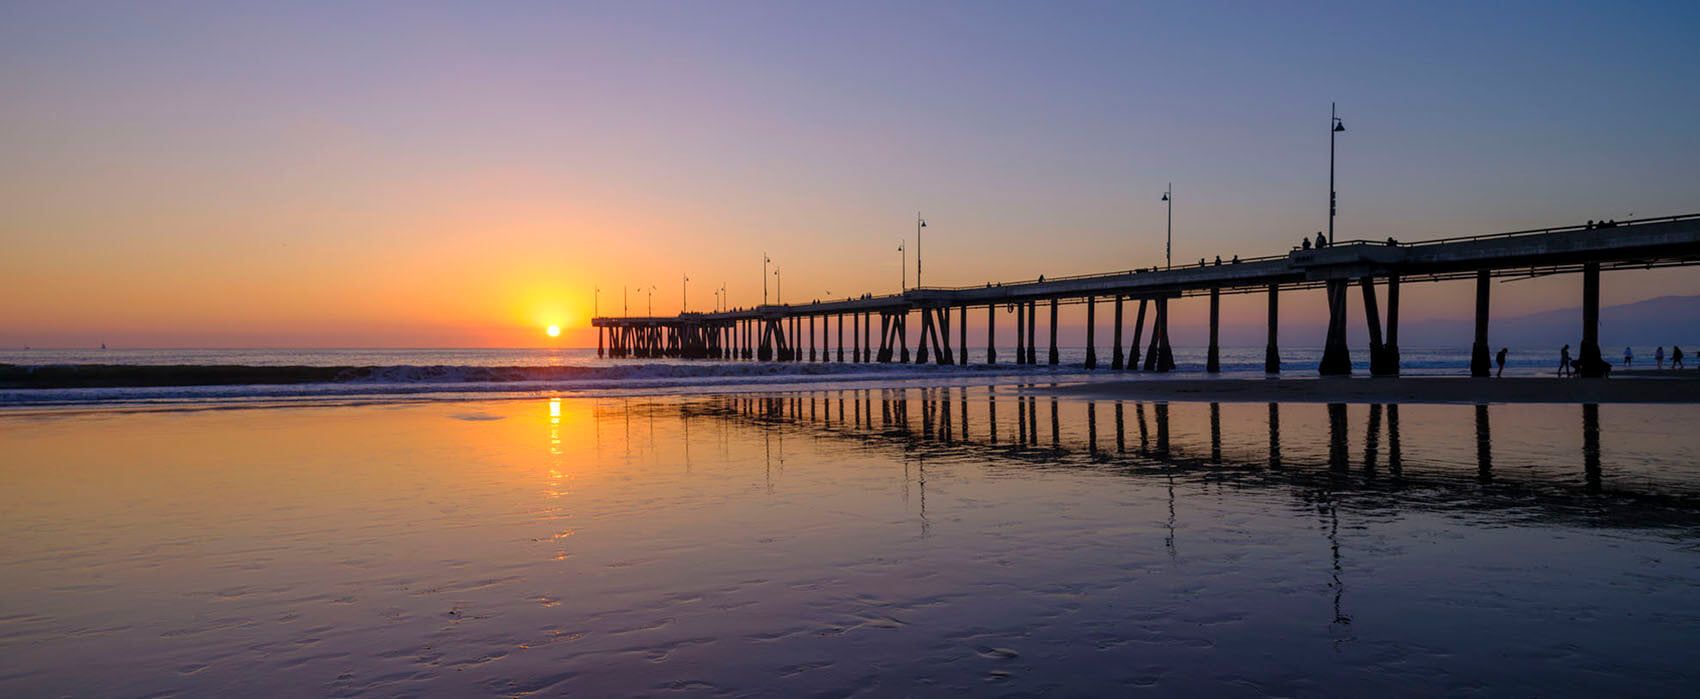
column 1669, row 388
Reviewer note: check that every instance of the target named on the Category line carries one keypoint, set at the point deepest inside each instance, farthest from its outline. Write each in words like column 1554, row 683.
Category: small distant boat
column 103, row 345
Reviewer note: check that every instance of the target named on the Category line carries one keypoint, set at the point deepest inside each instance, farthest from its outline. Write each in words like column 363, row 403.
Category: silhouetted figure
column 1628, row 357
column 1321, row 242
column 1218, row 260
column 1500, row 358
column 1659, row 356
column 1590, row 224
column 1391, row 242
column 1675, row 357
column 1564, row 362
column 1305, row 242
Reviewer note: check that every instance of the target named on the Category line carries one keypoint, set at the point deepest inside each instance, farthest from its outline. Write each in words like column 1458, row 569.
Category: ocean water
column 440, row 373
column 962, row 540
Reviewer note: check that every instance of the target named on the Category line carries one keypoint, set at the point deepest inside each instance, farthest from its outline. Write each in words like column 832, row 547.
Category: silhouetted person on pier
column 1321, row 242
column 1659, row 356
column 1564, row 362
column 1675, row 357
column 1628, row 357
column 1500, row 358
column 1590, row 224
column 1305, row 242
column 1218, row 260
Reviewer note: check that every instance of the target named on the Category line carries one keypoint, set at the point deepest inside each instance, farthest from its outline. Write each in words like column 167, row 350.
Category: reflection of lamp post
column 1334, row 126
column 1169, row 242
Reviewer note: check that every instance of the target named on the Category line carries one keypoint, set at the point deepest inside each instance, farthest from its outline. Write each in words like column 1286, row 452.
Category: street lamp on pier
column 1334, row 126
column 1169, row 241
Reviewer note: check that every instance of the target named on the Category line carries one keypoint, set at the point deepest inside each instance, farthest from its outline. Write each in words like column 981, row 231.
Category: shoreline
column 1388, row 389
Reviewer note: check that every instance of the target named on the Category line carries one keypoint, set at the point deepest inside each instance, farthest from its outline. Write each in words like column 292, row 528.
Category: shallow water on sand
column 885, row 542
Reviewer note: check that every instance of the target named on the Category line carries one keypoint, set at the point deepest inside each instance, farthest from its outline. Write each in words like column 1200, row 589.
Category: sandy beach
column 1669, row 388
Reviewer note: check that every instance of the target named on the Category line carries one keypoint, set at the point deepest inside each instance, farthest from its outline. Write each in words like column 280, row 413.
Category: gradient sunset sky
column 420, row 174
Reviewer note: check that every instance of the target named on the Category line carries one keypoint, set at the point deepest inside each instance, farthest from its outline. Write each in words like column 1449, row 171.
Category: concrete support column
column 1372, row 316
column 926, row 329
column 600, row 331
column 1165, row 354
column 1593, row 365
column 841, row 338
column 1390, row 347
column 991, row 333
column 1480, row 364
column 1116, row 338
column 867, row 335
column 1091, row 332
column 811, row 338
column 1021, row 333
column 1271, row 352
column 1053, row 356
column 902, row 321
column 1213, row 355
column 1151, row 352
column 962, row 344
column 1138, row 332
column 1336, row 358
column 1032, row 338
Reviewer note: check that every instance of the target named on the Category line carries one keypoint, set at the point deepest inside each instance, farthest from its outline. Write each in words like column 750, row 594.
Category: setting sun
column 554, row 331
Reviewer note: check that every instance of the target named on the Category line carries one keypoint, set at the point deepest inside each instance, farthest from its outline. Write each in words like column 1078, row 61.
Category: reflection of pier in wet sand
column 1147, row 439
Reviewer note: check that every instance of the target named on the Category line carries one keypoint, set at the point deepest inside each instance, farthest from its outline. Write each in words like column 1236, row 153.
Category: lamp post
column 596, row 302
column 724, row 304
column 1334, row 126
column 1169, row 241
column 902, row 268
column 625, row 302
column 684, row 293
column 778, row 287
column 919, row 224
column 652, row 301
column 764, row 260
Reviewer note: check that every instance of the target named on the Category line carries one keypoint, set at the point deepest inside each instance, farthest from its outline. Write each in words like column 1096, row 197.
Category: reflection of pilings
column 1215, row 433
column 1121, row 434
column 1484, row 445
column 1144, row 434
column 1591, row 446
column 1395, row 462
column 1092, row 428
column 1274, row 435
column 1372, row 438
column 1162, row 410
column 1056, row 427
column 1021, row 420
column 1337, row 458
column 1033, row 420
column 992, row 417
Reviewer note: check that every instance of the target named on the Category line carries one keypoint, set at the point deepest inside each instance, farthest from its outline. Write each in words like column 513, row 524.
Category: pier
column 815, row 331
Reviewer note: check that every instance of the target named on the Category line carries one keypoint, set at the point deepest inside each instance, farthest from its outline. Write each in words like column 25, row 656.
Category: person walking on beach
column 1628, row 357
column 1564, row 362
column 1659, row 356
column 1501, row 359
column 1675, row 357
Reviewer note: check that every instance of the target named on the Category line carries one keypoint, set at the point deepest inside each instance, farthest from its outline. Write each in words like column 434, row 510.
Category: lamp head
column 1339, row 125
column 1165, row 196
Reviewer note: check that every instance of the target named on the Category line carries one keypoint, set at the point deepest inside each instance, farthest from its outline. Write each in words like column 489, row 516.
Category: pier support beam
column 991, row 334
column 1390, row 348
column 962, row 344
column 841, row 338
column 1336, row 359
column 921, row 342
column 1165, row 354
column 902, row 321
column 1151, row 352
column 1271, row 352
column 1021, row 333
column 1593, row 365
column 1372, row 316
column 1053, row 355
column 867, row 336
column 1032, row 338
column 1213, row 356
column 1480, row 365
column 600, row 331
column 1116, row 338
column 811, row 338
column 1091, row 332
column 1138, row 331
